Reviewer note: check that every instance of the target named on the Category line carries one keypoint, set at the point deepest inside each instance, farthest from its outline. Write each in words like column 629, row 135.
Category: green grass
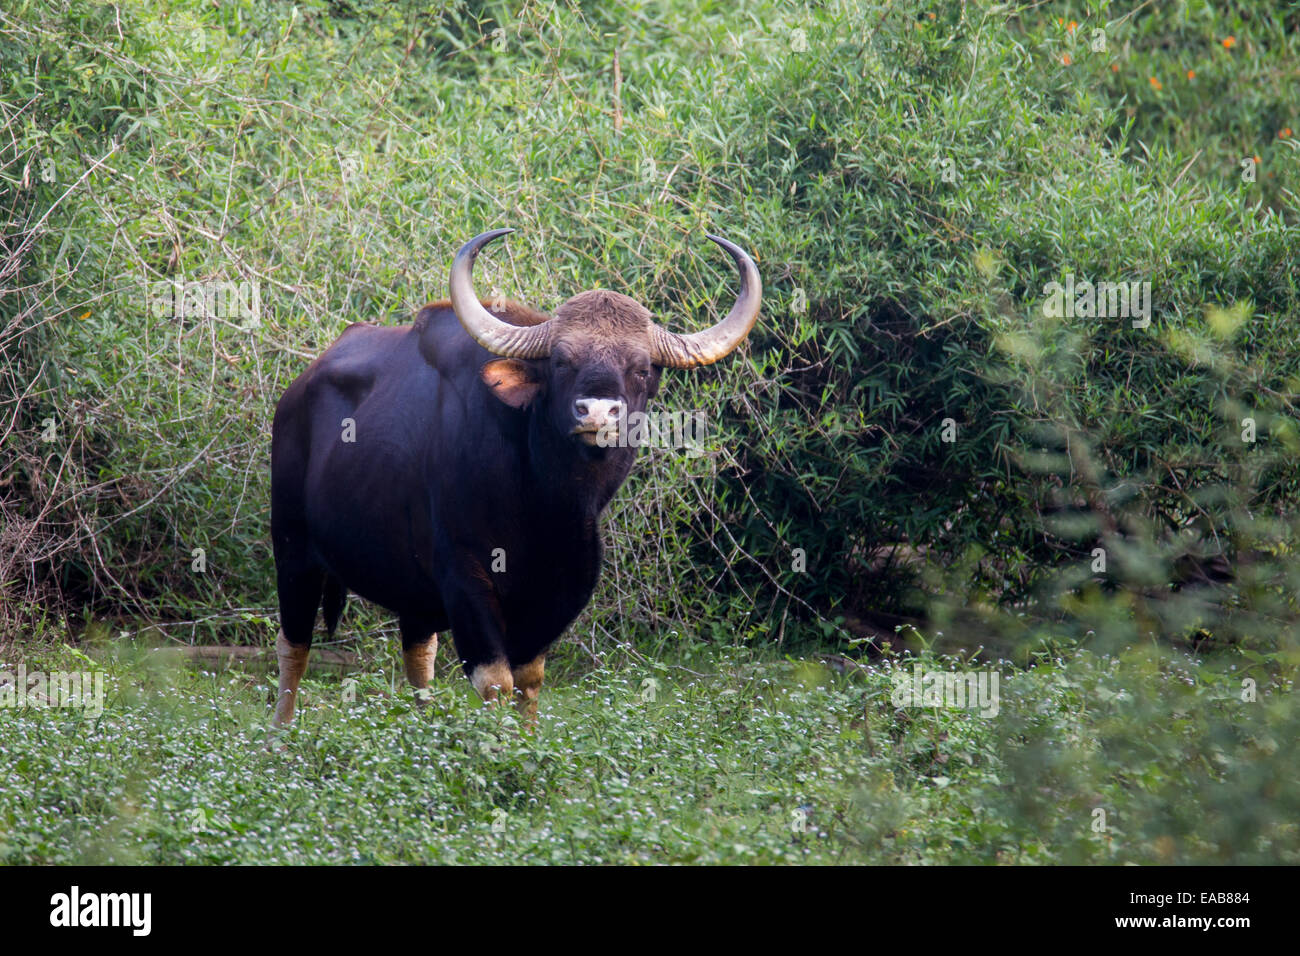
column 909, row 177
column 731, row 750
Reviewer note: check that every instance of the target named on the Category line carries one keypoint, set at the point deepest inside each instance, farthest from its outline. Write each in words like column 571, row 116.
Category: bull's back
column 394, row 465
column 346, row 473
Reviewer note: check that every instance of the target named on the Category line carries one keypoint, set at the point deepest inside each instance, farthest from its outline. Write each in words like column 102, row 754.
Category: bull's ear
column 515, row 382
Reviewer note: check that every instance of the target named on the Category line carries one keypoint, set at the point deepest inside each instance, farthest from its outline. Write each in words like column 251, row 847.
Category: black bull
column 454, row 471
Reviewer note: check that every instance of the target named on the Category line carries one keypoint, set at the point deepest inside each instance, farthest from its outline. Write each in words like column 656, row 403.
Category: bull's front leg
column 478, row 631
column 493, row 680
column 528, row 687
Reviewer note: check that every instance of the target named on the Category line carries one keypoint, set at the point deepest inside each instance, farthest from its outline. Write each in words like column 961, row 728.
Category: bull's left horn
column 500, row 338
column 672, row 350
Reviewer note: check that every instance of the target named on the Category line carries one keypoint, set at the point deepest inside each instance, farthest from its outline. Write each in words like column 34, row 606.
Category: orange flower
column 930, row 15
column 1156, row 84
column 1285, row 134
column 1071, row 26
column 1257, row 160
column 1114, row 67
column 1229, row 42
column 1066, row 59
column 1191, row 74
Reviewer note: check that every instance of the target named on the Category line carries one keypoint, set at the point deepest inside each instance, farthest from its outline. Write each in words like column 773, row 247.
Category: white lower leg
column 419, row 662
column 293, row 664
column 493, row 681
column 528, row 684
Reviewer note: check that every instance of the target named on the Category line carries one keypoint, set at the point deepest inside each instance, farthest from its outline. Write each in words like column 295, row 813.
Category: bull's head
column 598, row 360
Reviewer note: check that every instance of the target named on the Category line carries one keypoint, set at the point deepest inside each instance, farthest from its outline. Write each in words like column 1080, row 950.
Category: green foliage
column 909, row 179
column 751, row 760
column 912, row 451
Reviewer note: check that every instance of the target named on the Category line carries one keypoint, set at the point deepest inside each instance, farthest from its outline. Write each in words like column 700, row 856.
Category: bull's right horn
column 500, row 338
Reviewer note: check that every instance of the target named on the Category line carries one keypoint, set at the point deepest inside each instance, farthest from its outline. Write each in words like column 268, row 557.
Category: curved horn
column 672, row 350
column 500, row 338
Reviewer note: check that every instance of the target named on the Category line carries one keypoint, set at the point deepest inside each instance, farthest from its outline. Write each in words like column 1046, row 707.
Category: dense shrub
column 910, row 178
column 916, row 449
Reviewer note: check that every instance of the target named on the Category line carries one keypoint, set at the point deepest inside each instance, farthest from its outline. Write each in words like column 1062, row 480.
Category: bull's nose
column 598, row 410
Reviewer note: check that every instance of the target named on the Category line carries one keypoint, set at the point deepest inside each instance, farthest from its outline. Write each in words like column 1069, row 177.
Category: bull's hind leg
column 293, row 664
column 419, row 650
column 300, row 595
column 528, row 687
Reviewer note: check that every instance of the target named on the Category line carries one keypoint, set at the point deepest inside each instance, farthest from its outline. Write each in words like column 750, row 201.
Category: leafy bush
column 916, row 450
column 911, row 181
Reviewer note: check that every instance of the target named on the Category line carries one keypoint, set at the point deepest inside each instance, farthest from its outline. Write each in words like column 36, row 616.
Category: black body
column 440, row 475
